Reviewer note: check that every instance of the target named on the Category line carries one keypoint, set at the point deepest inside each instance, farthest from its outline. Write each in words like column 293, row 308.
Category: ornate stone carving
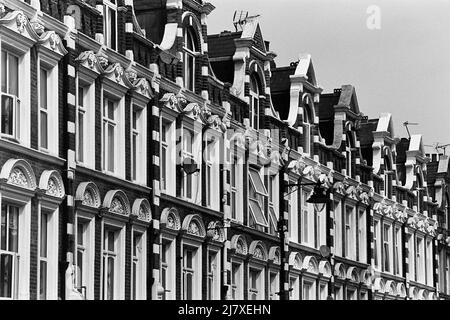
column 117, row 207
column 258, row 253
column 38, row 28
column 240, row 247
column 194, row 228
column 88, row 198
column 21, row 21
column 55, row 40
column 144, row 213
column 312, row 267
column 171, row 222
column 53, row 188
column 18, row 178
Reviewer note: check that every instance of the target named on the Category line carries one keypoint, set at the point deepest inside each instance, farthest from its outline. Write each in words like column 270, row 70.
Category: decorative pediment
column 170, row 218
column 239, row 244
column 352, row 274
column 193, row 225
column 325, row 269
column 88, row 194
column 310, row 265
column 339, row 187
column 116, row 201
column 18, row 22
column 52, row 182
column 115, row 72
column 52, row 41
column 18, row 172
column 339, row 271
column 171, row 101
column 295, row 260
column 91, row 61
column 351, row 192
column 215, row 231
column 142, row 210
column 274, row 255
column 258, row 250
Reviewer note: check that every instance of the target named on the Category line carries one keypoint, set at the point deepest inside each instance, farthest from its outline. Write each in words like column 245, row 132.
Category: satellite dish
column 190, row 166
column 325, row 251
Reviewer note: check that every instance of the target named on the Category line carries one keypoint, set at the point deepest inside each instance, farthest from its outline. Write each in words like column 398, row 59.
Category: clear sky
column 402, row 68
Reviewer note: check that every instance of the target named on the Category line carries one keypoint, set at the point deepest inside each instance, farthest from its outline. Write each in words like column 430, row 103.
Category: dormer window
column 387, row 177
column 254, row 103
column 190, row 52
column 110, row 23
column 308, row 120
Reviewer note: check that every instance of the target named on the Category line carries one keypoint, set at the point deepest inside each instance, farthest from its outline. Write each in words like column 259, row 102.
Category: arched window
column 388, row 173
column 254, row 103
column 419, row 191
column 190, row 52
column 308, row 120
column 350, row 145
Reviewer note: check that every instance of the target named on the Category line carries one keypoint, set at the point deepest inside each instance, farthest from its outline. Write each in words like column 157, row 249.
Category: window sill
column 18, row 147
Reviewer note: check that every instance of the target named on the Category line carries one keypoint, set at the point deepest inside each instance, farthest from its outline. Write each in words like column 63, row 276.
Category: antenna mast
column 406, row 124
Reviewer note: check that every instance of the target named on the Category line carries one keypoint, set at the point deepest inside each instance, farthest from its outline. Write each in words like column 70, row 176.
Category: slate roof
column 222, row 45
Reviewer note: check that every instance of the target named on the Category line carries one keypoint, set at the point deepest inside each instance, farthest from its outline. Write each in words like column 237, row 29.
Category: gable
column 258, row 40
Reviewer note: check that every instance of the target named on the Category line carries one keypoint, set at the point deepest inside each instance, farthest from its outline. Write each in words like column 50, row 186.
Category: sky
column 400, row 65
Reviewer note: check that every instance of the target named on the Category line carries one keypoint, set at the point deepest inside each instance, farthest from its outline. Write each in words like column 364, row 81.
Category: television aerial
column 406, row 124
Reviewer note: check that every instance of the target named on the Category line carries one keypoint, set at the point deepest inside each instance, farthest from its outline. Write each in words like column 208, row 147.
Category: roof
column 280, row 80
column 222, row 45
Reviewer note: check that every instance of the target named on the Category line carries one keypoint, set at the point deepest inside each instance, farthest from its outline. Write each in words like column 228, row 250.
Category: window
column 109, row 263
column 386, row 247
column 338, row 227
column 110, row 23
column 294, row 285
column 339, row 292
column 429, row 263
column 191, row 273
column 323, row 291
column 165, row 126
column 320, row 227
column 411, row 257
column 398, row 251
column 188, row 153
column 447, row 273
column 305, row 217
column 257, row 201
column 10, row 104
column 81, row 124
column 351, row 294
column 236, row 281
column 362, row 236
column 350, row 241
column 9, row 252
column 138, row 276
column 388, row 177
column 43, row 109
column 376, row 243
column 168, row 269
column 190, row 53
column 109, row 135
column 272, row 189
column 43, row 255
column 274, row 285
column 308, row 119
column 213, row 275
column 138, row 170
column 209, row 171
column 255, row 291
column 234, row 193
column 85, row 124
column 254, row 103
column 113, row 263
column 420, row 257
column 349, row 149
column 309, row 290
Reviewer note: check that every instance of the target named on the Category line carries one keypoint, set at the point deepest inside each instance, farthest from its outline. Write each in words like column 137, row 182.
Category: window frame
column 16, row 134
column 138, row 151
column 110, row 6
column 119, row 262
